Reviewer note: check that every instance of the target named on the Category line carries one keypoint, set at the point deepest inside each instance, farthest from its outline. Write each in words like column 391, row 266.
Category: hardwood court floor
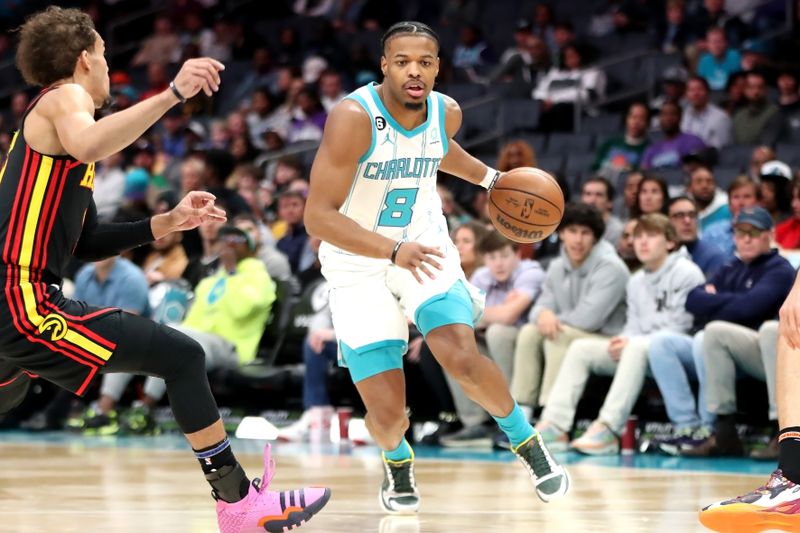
column 68, row 487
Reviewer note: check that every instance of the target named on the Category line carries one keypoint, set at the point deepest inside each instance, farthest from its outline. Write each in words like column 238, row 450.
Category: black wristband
column 176, row 92
column 396, row 249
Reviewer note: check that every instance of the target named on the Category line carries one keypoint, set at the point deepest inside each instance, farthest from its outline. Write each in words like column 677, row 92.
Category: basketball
column 526, row 204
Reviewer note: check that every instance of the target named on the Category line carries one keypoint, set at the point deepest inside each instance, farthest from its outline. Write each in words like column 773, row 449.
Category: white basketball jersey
column 394, row 186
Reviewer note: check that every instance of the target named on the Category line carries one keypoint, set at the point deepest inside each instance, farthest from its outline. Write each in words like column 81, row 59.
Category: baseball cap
column 236, row 234
column 777, row 169
column 136, row 182
column 758, row 217
column 524, row 25
column 675, row 74
column 197, row 128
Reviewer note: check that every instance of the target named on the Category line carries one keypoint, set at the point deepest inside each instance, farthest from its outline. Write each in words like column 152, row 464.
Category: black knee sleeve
column 12, row 394
column 169, row 354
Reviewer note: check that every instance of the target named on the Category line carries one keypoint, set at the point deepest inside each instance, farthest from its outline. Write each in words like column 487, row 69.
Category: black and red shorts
column 44, row 334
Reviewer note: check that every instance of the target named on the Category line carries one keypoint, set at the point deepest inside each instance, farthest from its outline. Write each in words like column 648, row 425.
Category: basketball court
column 59, row 482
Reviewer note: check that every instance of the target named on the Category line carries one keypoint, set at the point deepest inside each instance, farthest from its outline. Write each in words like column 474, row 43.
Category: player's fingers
column 415, row 274
column 431, row 261
column 214, row 63
column 202, row 195
column 426, row 271
column 432, row 251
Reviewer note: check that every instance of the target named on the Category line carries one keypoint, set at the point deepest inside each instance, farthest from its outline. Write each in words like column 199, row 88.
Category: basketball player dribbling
column 388, row 257
column 47, row 214
column 775, row 505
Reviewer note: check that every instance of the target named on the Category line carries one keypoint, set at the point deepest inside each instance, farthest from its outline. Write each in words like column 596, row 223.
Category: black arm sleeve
column 99, row 241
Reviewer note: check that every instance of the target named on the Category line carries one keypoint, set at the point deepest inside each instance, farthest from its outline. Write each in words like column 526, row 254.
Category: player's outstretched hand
column 201, row 73
column 195, row 208
column 789, row 325
column 414, row 257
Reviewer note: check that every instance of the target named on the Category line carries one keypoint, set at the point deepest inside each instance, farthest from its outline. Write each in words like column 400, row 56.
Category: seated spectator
column 624, row 153
column 598, row 192
column 735, row 303
column 294, row 244
column 276, row 263
column 775, row 195
column 453, row 214
column 712, row 14
column 761, row 154
column 113, row 282
column 683, row 217
column 467, row 239
column 157, row 80
column 652, row 196
column 760, row 121
column 656, row 297
column 319, row 354
column 511, row 285
column 227, row 318
column 668, row 152
column 710, row 199
column 625, row 249
column 163, row 46
column 526, row 61
column 719, row 62
column 673, row 30
column 308, row 119
column 742, row 192
column 206, row 262
column 472, row 57
column 566, row 85
column 673, row 89
column 109, row 186
column 704, row 119
column 594, row 305
column 735, row 98
column 787, row 233
column 330, row 89
column 265, row 116
column 167, row 261
column 624, row 205
column 789, row 102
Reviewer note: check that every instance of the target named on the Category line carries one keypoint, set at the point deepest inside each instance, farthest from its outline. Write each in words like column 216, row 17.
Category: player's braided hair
column 409, row 27
column 50, row 43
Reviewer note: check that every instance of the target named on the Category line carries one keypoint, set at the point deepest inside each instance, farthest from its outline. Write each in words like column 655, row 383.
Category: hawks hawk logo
column 57, row 326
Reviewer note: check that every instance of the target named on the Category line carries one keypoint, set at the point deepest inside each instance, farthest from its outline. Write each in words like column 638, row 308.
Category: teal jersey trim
column 363, row 103
column 374, row 358
column 390, row 119
column 451, row 307
column 442, row 130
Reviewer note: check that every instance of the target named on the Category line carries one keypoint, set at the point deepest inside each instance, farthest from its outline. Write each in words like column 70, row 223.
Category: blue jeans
column 315, row 380
column 675, row 359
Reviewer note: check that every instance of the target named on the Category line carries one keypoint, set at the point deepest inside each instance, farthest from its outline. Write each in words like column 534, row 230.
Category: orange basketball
column 526, row 204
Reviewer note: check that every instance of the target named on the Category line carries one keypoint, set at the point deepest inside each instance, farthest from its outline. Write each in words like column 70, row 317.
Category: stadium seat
column 788, row 153
column 675, row 177
column 569, row 143
column 552, row 163
column 735, row 156
column 275, row 332
column 519, row 114
column 538, row 141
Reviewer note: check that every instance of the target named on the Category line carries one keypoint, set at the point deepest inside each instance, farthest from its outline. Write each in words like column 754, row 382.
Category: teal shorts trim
column 371, row 359
column 451, row 307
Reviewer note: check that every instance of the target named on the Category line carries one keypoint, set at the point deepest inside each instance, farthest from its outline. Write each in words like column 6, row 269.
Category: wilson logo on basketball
column 516, row 230
column 57, row 326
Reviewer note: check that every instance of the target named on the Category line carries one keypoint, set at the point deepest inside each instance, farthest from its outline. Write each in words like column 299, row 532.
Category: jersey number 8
column 399, row 205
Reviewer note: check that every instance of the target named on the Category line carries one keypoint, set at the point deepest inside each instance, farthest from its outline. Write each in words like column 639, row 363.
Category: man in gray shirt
column 583, row 297
column 704, row 119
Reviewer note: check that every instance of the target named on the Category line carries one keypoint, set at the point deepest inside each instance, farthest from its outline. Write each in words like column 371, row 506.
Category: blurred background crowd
column 685, row 111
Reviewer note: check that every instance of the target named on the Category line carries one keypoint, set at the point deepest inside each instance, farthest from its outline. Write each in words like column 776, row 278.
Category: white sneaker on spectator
column 315, row 419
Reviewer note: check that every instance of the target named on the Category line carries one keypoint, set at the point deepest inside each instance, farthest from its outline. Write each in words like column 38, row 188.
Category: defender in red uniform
column 47, row 214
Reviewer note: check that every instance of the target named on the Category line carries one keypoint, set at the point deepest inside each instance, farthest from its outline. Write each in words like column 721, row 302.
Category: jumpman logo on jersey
column 388, row 139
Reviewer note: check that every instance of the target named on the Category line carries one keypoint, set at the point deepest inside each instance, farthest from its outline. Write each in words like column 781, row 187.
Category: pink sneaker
column 268, row 510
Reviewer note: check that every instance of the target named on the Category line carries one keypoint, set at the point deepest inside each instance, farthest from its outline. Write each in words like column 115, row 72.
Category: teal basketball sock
column 515, row 426
column 399, row 454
